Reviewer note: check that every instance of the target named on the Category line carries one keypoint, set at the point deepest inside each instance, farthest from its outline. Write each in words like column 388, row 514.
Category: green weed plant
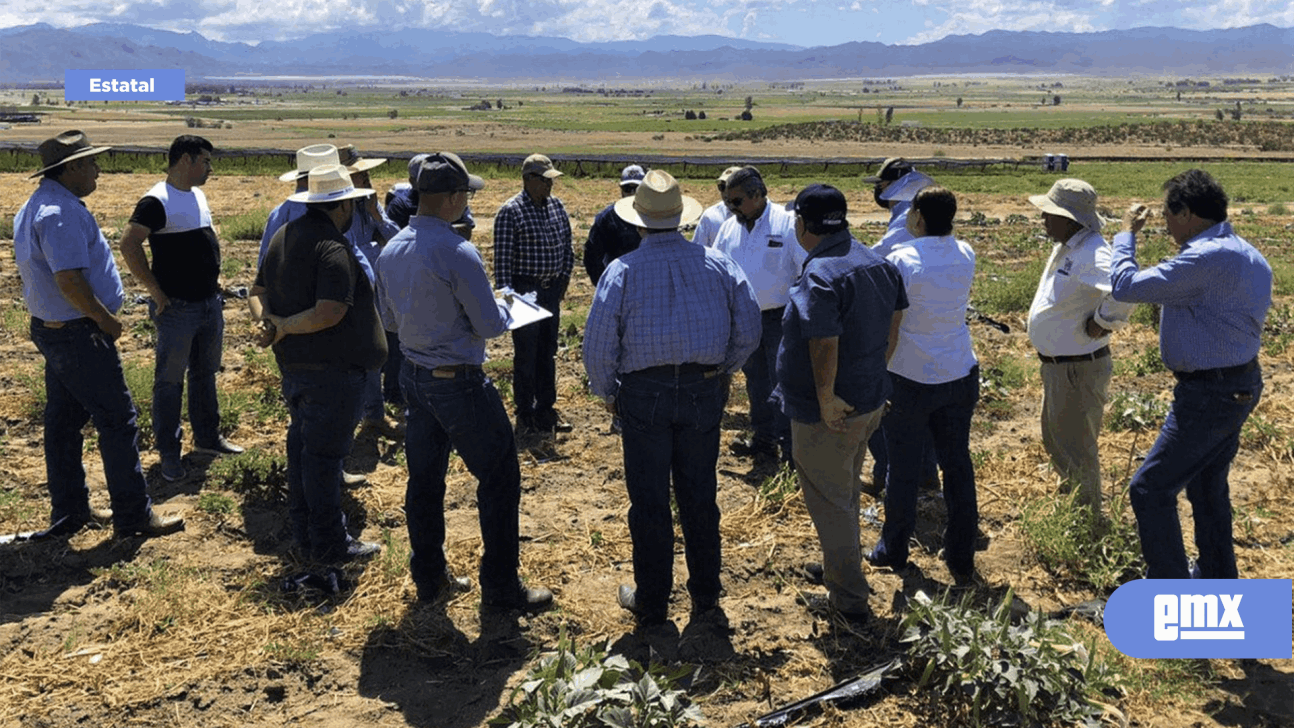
column 988, row 670
column 584, row 687
column 1074, row 543
column 254, row 474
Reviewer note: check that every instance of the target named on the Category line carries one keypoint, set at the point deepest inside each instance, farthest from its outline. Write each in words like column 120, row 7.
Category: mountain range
column 42, row 52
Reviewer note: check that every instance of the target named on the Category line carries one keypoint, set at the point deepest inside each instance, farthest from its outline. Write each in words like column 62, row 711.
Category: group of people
column 844, row 348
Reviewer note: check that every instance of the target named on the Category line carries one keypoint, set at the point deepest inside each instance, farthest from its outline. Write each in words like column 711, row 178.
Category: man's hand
column 271, row 331
column 1095, row 330
column 111, row 326
column 834, row 411
column 1135, row 218
column 160, row 302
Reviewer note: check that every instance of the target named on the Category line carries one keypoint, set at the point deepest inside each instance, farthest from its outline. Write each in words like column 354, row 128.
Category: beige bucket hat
column 1071, row 198
column 310, row 157
column 349, row 158
column 658, row 203
column 330, row 183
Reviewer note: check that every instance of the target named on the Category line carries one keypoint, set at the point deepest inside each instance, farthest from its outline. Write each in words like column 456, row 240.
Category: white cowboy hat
column 330, row 183
column 1071, row 198
column 310, row 157
column 658, row 203
column 905, row 188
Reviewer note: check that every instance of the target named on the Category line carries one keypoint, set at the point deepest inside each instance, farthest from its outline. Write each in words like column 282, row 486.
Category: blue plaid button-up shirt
column 532, row 240
column 669, row 302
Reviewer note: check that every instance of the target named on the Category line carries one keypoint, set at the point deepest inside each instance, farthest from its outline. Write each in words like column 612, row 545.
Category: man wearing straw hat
column 432, row 285
column 73, row 291
column 715, row 215
column 533, row 254
column 186, row 307
column 1070, row 322
column 668, row 325
column 610, row 236
column 316, row 306
column 315, row 155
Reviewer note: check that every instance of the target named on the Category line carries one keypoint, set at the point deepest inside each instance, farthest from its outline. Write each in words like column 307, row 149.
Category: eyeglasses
column 734, row 201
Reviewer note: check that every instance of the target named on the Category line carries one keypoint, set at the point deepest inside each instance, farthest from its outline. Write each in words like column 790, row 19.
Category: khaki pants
column 828, row 464
column 1074, row 395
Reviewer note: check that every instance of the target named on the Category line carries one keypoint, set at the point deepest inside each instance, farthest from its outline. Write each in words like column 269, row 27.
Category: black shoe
column 155, row 526
column 821, row 604
column 550, row 421
column 446, row 585
column 813, row 571
column 220, row 447
column 627, row 596
column 967, row 579
column 750, row 447
column 531, row 601
column 885, row 562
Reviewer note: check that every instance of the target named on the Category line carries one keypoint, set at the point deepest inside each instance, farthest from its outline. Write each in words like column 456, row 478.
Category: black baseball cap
column 445, row 172
column 822, row 205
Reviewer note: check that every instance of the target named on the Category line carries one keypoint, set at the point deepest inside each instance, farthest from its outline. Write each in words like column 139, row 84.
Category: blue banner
column 131, row 84
column 1193, row 618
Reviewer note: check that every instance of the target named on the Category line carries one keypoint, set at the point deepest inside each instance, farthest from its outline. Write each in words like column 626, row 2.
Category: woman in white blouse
column 936, row 385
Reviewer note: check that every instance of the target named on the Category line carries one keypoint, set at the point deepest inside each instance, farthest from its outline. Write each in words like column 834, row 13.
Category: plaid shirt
column 530, row 240
column 669, row 302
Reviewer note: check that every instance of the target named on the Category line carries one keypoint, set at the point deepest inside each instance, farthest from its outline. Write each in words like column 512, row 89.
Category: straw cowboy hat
column 658, row 204
column 64, row 148
column 310, row 157
column 350, row 159
column 1071, row 198
column 330, row 183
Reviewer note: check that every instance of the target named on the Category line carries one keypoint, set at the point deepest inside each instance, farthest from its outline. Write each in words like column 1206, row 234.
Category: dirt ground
column 194, row 629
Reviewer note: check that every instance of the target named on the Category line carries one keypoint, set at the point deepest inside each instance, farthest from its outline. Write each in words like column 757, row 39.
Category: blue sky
column 799, row 22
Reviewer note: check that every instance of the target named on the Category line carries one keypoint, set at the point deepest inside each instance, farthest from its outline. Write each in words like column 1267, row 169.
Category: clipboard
column 525, row 312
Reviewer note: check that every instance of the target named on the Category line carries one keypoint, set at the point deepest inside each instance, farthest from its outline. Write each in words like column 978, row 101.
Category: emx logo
column 1220, row 618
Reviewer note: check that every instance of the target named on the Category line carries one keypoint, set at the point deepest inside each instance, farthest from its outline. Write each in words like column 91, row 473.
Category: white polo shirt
column 708, row 226
column 934, row 341
column 768, row 253
column 1075, row 285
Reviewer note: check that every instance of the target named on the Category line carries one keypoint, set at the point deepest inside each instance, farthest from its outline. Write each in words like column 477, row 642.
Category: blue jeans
column 391, row 370
column 371, row 404
column 767, row 420
column 84, row 382
column 534, row 355
column 671, row 431
column 1194, row 451
column 190, row 336
column 942, row 413
column 881, row 459
column 466, row 414
column 323, row 406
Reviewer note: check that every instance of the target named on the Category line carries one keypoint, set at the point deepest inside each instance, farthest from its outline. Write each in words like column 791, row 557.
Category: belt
column 679, row 370
column 1100, row 353
column 546, row 282
column 320, row 367
column 57, row 324
column 454, row 371
column 1219, row 373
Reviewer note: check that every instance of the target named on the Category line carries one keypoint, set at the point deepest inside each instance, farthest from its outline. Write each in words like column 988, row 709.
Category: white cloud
column 907, row 21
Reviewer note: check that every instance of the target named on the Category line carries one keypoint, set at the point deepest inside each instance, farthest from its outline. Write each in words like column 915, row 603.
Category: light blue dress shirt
column 53, row 232
column 432, row 286
column 1215, row 294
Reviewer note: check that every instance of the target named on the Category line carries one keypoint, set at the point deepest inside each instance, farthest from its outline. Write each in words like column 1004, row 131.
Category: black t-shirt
column 185, row 251
column 309, row 260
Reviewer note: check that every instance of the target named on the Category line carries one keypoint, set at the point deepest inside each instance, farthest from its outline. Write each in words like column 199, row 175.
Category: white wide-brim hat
column 330, row 183
column 315, row 155
column 1071, row 198
column 658, row 203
